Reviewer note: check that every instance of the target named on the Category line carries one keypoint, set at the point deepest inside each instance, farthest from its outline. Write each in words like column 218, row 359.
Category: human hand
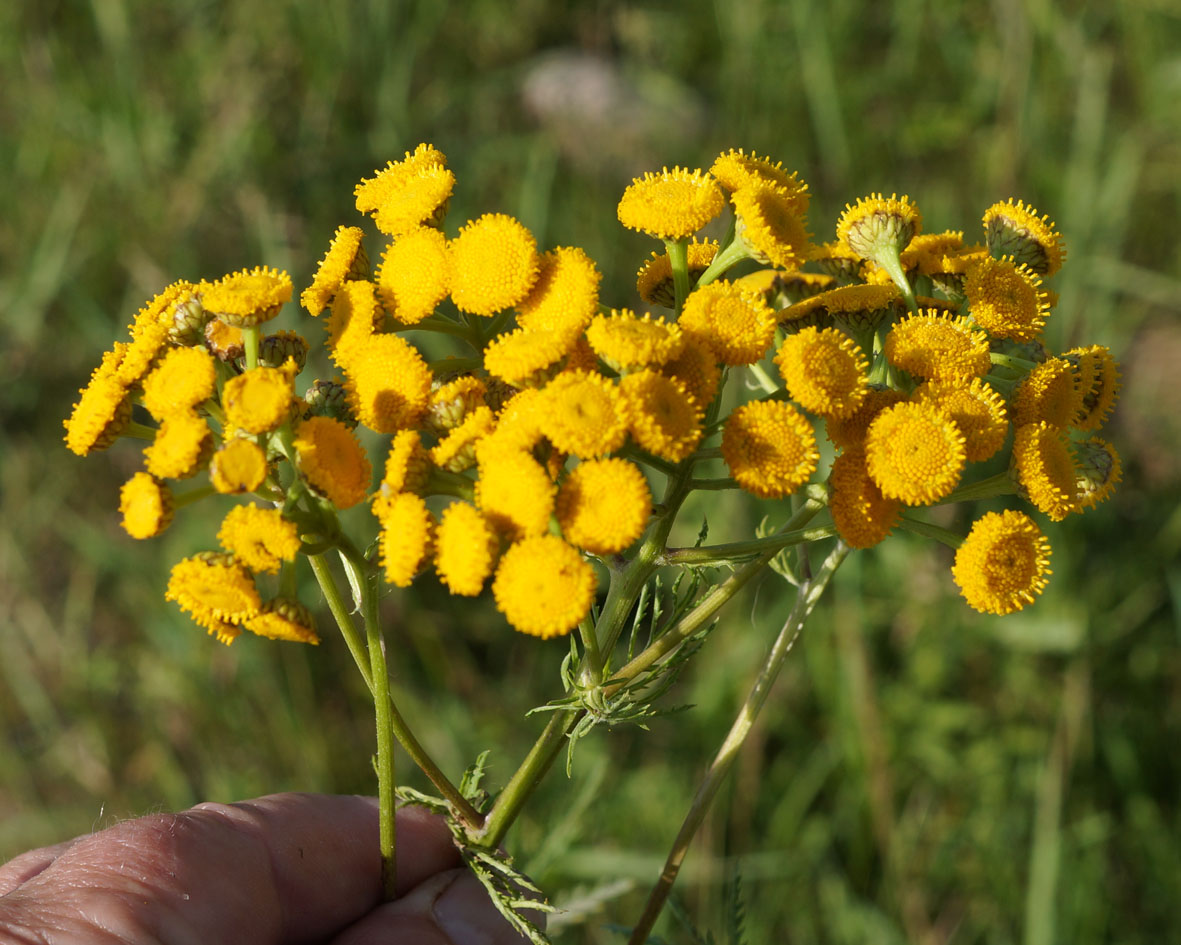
column 278, row 870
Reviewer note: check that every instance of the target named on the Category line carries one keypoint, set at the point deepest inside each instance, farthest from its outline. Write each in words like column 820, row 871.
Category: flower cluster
column 518, row 463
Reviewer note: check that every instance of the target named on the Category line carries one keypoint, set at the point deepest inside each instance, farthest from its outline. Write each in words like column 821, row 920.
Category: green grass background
column 921, row 773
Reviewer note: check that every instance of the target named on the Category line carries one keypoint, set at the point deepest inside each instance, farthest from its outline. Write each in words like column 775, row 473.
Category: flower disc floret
column 937, row 346
column 770, row 448
column 388, row 384
column 543, row 586
column 1049, row 393
column 527, row 357
column 1017, row 230
column 603, row 505
column 515, row 492
column 737, row 325
column 456, row 452
column 626, row 341
column 915, row 453
column 239, row 466
column 333, row 461
column 182, row 446
column 976, row 408
column 355, row 318
column 259, row 400
column 1045, row 469
column 414, row 275
column 494, row 264
column 344, row 259
column 661, row 414
column 566, row 294
column 580, row 413
column 407, row 464
column 770, row 222
column 284, row 619
column 1098, row 381
column 1003, row 564
column 100, row 416
column 407, row 193
column 181, row 380
column 671, row 205
column 862, row 515
column 825, row 371
column 1006, row 299
column 466, row 549
column 878, row 227
column 407, row 537
column 247, row 297
column 735, row 169
column 262, row 539
column 147, row 506
column 213, row 589
column 695, row 370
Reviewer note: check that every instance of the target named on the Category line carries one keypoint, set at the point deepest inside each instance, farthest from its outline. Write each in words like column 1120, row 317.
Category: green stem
column 447, row 327
column 453, row 365
column 250, row 337
column 990, row 488
column 1020, row 365
column 193, row 495
column 722, row 554
column 139, row 431
column 927, row 530
column 678, row 257
column 809, row 592
column 726, row 482
column 766, row 382
column 723, row 261
column 340, row 612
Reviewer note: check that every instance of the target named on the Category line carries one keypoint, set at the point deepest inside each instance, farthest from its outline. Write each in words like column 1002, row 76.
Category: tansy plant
column 547, row 461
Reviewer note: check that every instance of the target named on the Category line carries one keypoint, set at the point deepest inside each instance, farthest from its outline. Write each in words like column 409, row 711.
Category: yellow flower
column 333, row 461
column 284, row 619
column 1099, row 470
column 260, row 538
column 825, row 371
column 514, row 492
column 977, row 409
column 770, row 222
column 414, row 276
column 603, row 505
column 654, row 281
column 456, row 452
column 214, row 589
column 1046, row 471
column 354, row 319
column 344, row 260
column 407, row 464
column 580, row 413
column 862, row 515
column 518, row 423
column 408, row 193
column 696, row 370
column 100, row 416
column 147, row 506
column 662, row 416
column 626, row 342
column 466, row 549
column 388, row 384
column 852, row 307
column 543, row 586
column 938, row 347
column 527, row 357
column 1003, row 563
column 926, row 252
column 260, row 400
column 1098, row 379
column 1048, row 393
column 183, row 378
column 915, row 453
column 1006, row 299
column 247, row 297
column 838, row 260
column 735, row 169
column 770, row 448
column 407, row 537
column 850, row 430
column 239, row 466
column 565, row 295
column 224, row 341
column 1015, row 229
column 452, row 401
column 671, row 205
column 878, row 227
column 149, row 332
column 736, row 324
column 183, row 444
column 494, row 264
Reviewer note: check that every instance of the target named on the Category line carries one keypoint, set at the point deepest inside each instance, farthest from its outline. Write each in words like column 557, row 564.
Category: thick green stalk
column 678, row 257
column 250, row 344
column 733, row 254
column 721, row 554
column 809, row 592
column 340, row 612
column 990, row 488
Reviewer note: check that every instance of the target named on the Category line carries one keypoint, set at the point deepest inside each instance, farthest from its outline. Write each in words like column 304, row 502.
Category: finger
column 290, row 867
column 27, row 865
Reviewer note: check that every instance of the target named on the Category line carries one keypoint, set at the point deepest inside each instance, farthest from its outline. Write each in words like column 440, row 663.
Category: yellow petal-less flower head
column 407, row 537
column 224, row 341
column 466, row 547
column 661, row 414
column 407, row 464
column 452, row 400
column 183, row 444
column 214, row 589
column 239, row 466
column 518, row 422
column 825, row 371
column 408, row 193
column 1003, row 564
column 696, row 370
column 456, row 452
column 147, row 506
column 259, row 400
column 851, row 308
column 603, row 505
column 284, row 619
column 770, row 223
column 1098, row 381
column 414, row 275
column 976, row 408
column 1049, row 392
column 862, row 515
column 735, row 323
column 345, row 259
column 543, row 586
column 1016, row 229
column 247, row 297
column 1006, row 299
column 494, row 264
column 850, row 430
column 836, row 259
column 1045, row 469
column 388, row 384
column 333, row 461
column 791, row 287
column 355, row 317
column 580, row 413
column 262, row 539
column 770, row 448
column 938, row 347
column 671, row 205
column 926, row 252
column 654, row 281
column 566, row 294
column 1098, row 467
column 150, row 330
column 879, row 228
column 626, row 341
column 514, row 492
column 527, row 357
column 735, row 169
column 100, row 416
column 915, row 453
